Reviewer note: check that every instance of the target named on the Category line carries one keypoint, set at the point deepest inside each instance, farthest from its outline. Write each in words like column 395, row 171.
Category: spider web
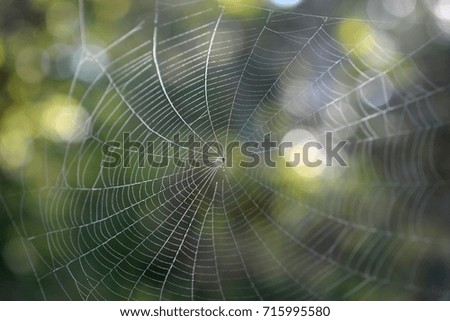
column 371, row 231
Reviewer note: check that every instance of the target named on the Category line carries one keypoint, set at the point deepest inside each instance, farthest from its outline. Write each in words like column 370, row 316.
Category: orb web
column 368, row 231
